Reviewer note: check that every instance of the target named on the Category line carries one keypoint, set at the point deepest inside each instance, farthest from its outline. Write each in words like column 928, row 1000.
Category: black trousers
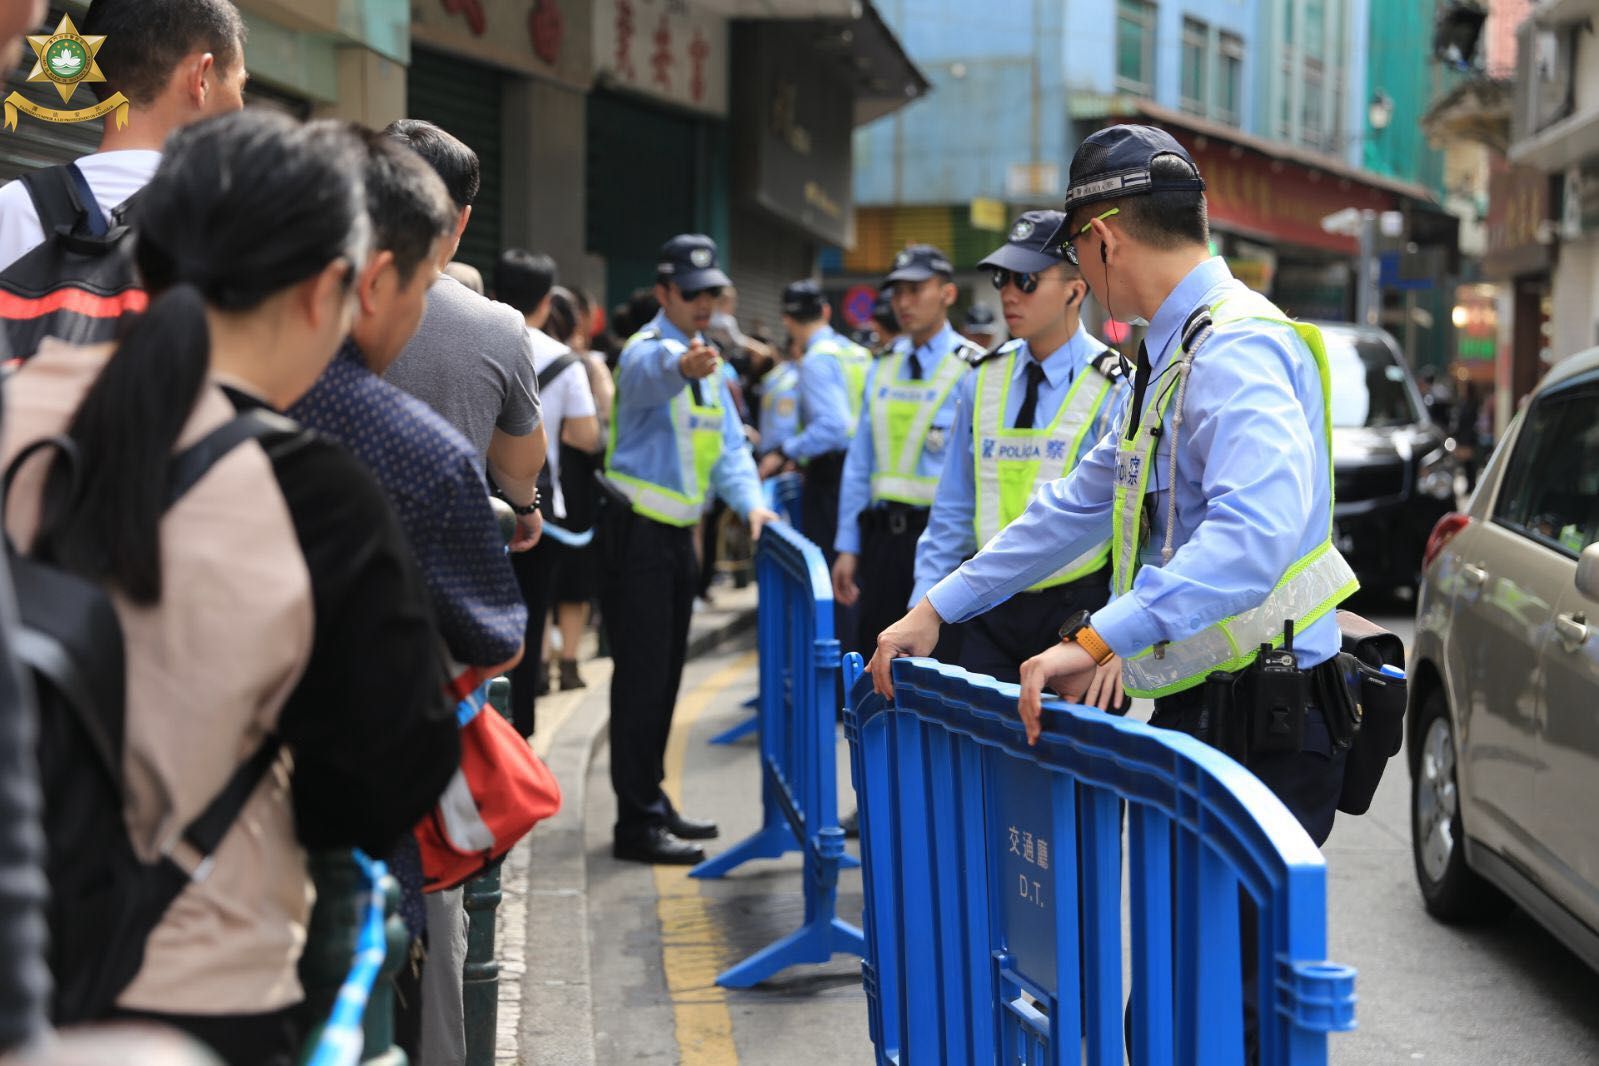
column 819, row 506
column 1307, row 781
column 274, row 1039
column 535, row 574
column 998, row 641
column 886, row 574
column 647, row 586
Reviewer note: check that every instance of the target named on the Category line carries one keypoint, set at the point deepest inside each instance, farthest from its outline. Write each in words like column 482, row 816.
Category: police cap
column 1030, row 246
column 689, row 260
column 980, row 318
column 1114, row 162
column 803, row 299
column 918, row 263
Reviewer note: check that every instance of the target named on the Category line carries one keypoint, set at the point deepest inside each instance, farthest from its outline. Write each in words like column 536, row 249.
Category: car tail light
column 1442, row 533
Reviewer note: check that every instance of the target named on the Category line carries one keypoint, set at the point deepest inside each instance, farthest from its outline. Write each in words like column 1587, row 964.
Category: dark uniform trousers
column 534, row 570
column 648, row 577
column 886, row 574
column 998, row 641
column 1308, row 782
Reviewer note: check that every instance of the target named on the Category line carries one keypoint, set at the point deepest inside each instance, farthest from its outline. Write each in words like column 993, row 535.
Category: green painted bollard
column 330, row 949
column 480, row 977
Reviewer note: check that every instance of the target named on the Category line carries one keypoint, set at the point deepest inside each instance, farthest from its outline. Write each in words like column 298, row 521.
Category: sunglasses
column 1071, row 242
column 713, row 292
column 1026, row 282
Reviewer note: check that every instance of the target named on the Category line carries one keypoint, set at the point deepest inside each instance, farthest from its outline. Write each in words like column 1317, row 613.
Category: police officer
column 1024, row 418
column 891, row 471
column 675, row 435
column 779, row 417
column 831, row 380
column 980, row 327
column 1215, row 492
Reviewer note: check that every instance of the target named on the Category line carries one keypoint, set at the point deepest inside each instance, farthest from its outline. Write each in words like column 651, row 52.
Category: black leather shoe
column 691, row 828
column 658, row 846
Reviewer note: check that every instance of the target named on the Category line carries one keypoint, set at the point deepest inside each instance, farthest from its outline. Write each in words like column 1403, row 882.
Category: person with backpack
column 267, row 602
column 177, row 61
column 526, row 282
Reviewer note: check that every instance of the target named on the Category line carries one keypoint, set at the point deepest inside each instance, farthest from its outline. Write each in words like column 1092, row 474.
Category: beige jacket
column 209, row 668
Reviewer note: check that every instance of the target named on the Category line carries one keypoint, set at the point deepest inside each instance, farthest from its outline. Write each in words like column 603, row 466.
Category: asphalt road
column 1497, row 994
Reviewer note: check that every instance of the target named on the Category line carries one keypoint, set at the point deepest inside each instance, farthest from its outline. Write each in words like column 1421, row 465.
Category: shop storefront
column 508, row 77
column 1520, row 257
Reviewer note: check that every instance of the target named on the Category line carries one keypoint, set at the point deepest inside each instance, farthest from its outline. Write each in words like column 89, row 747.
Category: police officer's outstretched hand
column 915, row 634
column 699, row 361
column 845, row 591
column 757, row 520
column 1065, row 667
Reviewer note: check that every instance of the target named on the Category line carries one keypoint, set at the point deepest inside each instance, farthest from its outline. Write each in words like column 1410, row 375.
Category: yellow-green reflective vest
column 697, row 431
column 1010, row 465
column 1314, row 585
column 902, row 414
column 854, row 361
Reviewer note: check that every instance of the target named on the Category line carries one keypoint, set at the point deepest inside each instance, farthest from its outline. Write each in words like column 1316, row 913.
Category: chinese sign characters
column 663, row 48
column 1034, row 852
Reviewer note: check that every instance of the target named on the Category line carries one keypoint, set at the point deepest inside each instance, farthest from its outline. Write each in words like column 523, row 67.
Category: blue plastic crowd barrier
column 993, row 878
column 782, row 495
column 799, row 660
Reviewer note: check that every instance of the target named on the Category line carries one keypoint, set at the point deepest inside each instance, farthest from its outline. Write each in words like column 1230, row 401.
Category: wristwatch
column 523, row 512
column 1078, row 631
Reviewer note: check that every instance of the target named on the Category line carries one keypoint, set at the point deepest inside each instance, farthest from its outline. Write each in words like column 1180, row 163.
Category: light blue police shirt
column 1253, row 491
column 647, row 380
column 855, row 492
column 950, row 536
column 824, row 401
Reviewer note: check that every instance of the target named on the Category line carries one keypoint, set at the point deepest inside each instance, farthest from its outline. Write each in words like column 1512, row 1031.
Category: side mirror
column 1588, row 572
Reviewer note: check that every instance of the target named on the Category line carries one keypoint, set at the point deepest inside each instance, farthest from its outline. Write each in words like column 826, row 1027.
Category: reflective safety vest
column 854, row 361
column 697, row 430
column 1011, row 464
column 781, row 417
column 1314, row 585
column 902, row 414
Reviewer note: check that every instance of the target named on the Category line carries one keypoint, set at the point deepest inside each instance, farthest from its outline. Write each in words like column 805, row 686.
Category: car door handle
column 1573, row 630
column 1474, row 575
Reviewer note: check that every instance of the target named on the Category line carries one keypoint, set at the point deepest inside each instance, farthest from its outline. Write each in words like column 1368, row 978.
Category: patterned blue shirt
column 430, row 474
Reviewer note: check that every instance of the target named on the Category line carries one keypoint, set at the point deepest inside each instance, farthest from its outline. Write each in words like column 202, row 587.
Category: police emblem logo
column 700, row 257
column 935, row 441
column 66, row 59
column 1022, row 230
column 901, row 259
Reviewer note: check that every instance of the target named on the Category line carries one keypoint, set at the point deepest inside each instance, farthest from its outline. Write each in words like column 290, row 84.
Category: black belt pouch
column 1379, row 707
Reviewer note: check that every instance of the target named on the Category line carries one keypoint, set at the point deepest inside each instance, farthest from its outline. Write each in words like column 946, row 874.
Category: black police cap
column 918, row 263
column 689, row 260
column 1030, row 246
column 980, row 318
column 803, row 298
column 1114, row 162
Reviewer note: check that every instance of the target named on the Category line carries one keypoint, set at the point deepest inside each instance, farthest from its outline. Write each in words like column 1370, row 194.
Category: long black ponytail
column 242, row 207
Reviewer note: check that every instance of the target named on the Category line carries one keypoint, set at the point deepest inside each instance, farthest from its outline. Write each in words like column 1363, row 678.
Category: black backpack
column 80, row 284
column 577, row 467
column 104, row 901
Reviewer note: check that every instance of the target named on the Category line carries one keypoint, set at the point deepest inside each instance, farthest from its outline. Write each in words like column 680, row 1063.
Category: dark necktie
column 1140, row 383
column 1029, row 408
column 916, row 367
column 699, row 394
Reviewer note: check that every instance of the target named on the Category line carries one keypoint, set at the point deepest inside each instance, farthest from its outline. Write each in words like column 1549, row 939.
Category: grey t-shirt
column 472, row 362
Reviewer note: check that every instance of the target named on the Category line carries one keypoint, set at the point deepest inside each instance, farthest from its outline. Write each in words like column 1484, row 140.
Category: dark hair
column 522, row 278
column 407, row 202
column 145, row 40
column 641, row 307
column 564, row 315
column 1165, row 219
column 207, row 237
column 453, row 161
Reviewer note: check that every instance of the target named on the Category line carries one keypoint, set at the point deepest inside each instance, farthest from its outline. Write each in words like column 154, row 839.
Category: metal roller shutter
column 463, row 98
column 36, row 144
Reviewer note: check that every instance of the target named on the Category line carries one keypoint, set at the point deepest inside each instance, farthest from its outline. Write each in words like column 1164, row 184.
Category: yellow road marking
column 693, row 948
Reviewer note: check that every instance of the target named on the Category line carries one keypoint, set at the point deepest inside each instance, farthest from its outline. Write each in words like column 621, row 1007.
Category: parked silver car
column 1503, row 724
